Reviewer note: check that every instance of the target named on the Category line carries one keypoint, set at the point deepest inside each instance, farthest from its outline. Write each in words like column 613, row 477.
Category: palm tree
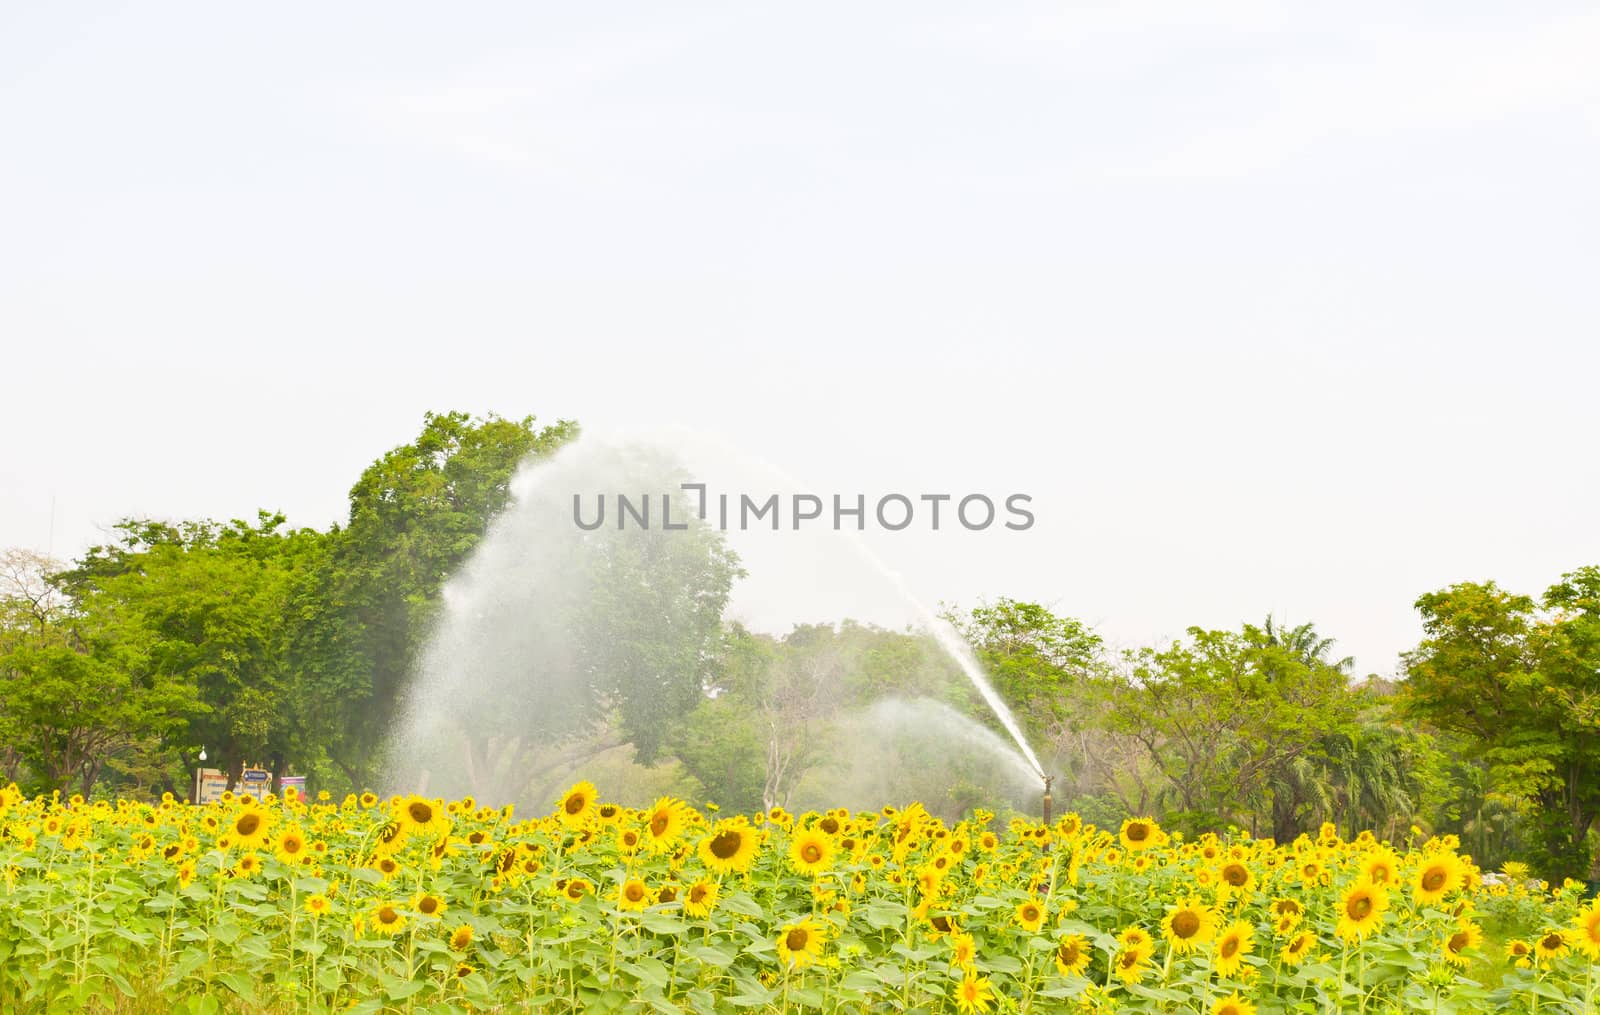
column 1306, row 645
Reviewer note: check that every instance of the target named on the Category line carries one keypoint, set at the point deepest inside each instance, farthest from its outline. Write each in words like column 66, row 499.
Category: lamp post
column 199, row 773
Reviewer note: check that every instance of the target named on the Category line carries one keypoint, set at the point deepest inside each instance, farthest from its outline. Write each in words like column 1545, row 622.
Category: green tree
column 208, row 607
column 415, row 515
column 1224, row 714
column 1523, row 685
column 1036, row 660
column 77, row 687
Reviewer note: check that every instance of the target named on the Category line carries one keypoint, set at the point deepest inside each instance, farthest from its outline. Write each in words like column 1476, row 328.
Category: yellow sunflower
column 577, row 805
column 701, row 898
column 1300, row 947
column 428, row 904
column 249, row 827
column 1072, row 955
column 420, row 817
column 664, row 823
column 800, row 944
column 391, row 838
column 1552, row 944
column 963, row 950
column 1438, row 876
column 628, row 841
column 1519, row 953
column 1233, row 1004
column 1188, row 924
column 1237, row 876
column 1586, row 934
column 1467, row 936
column 387, row 919
column 633, row 895
column 811, row 851
column 1232, row 946
column 1361, row 910
column 317, row 904
column 1288, row 909
column 461, row 938
column 973, row 993
column 576, row 889
column 1030, row 915
column 1138, row 834
column 1381, row 867
column 1130, row 964
column 291, row 845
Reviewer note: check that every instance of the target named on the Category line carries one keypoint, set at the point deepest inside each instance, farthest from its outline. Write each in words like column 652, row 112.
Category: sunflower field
column 418, row 905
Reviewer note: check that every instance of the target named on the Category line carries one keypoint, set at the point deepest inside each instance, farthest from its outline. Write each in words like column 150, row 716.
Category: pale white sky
column 1284, row 308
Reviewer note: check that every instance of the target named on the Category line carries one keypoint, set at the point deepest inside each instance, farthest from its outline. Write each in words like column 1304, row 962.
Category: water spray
column 1047, row 799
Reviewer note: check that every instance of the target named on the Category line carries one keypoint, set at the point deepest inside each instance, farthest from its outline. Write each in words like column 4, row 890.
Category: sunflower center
column 635, row 892
column 387, row 915
column 1229, row 947
column 811, row 852
column 829, row 825
column 1359, row 907
column 428, row 906
column 1433, row 880
column 1458, row 941
column 797, row 939
column 658, row 824
column 1186, row 924
column 420, row 812
column 247, row 824
column 697, row 894
column 1553, row 942
column 1138, row 833
column 1030, row 913
column 290, row 844
column 726, row 845
column 1235, row 875
column 575, row 803
column 1068, row 953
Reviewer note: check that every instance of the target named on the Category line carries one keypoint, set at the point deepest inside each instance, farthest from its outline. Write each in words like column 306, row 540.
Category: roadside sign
column 255, row 781
column 211, row 783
